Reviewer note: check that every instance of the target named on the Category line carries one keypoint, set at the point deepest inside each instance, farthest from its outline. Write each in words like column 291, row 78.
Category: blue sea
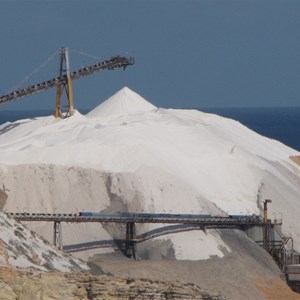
column 279, row 123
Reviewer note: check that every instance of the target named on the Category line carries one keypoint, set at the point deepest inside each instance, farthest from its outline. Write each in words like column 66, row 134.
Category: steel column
column 130, row 242
column 267, row 226
column 57, row 235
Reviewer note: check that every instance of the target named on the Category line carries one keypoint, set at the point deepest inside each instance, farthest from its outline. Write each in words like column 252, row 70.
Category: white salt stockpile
column 128, row 155
column 22, row 248
column 123, row 103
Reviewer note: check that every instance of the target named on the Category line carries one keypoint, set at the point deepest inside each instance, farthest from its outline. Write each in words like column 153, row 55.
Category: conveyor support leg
column 57, row 235
column 130, row 242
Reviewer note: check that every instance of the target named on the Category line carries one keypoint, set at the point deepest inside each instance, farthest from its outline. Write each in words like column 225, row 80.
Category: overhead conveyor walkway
column 130, row 219
column 262, row 230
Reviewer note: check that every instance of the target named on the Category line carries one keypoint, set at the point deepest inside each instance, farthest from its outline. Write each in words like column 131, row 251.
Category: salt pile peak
column 124, row 102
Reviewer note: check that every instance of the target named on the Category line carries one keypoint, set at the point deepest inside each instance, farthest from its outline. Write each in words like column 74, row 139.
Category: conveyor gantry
column 213, row 221
column 131, row 218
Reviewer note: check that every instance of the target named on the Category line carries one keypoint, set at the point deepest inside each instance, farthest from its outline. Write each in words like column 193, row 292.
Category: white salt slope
column 165, row 160
column 24, row 249
column 124, row 102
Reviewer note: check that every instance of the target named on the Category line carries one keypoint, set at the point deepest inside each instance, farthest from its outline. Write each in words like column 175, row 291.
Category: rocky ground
column 17, row 285
column 245, row 273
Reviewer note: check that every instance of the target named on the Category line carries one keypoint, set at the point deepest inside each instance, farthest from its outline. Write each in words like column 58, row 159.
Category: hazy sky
column 204, row 53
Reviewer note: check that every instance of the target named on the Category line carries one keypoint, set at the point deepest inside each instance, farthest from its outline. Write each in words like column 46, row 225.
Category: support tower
column 64, row 71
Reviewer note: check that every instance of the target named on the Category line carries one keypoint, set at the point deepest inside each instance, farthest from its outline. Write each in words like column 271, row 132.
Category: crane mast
column 65, row 77
column 64, row 60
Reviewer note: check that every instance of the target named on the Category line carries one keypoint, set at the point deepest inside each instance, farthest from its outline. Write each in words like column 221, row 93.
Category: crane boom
column 111, row 64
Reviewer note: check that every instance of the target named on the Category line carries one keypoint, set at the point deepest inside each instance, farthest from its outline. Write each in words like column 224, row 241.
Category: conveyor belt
column 201, row 220
column 111, row 64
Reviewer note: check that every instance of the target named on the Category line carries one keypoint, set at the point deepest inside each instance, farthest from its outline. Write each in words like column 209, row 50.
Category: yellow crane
column 64, row 80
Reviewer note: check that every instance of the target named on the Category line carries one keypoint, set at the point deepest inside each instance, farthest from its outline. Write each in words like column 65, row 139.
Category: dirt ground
column 245, row 273
column 276, row 290
column 295, row 159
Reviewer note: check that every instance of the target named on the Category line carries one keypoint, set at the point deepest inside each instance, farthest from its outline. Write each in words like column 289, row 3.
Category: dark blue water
column 282, row 124
column 11, row 116
column 279, row 123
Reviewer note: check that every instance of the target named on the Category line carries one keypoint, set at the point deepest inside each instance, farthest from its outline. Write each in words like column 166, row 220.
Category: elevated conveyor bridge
column 201, row 222
column 264, row 227
column 134, row 217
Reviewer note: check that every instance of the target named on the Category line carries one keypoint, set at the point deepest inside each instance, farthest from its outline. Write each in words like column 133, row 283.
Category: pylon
column 64, row 70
